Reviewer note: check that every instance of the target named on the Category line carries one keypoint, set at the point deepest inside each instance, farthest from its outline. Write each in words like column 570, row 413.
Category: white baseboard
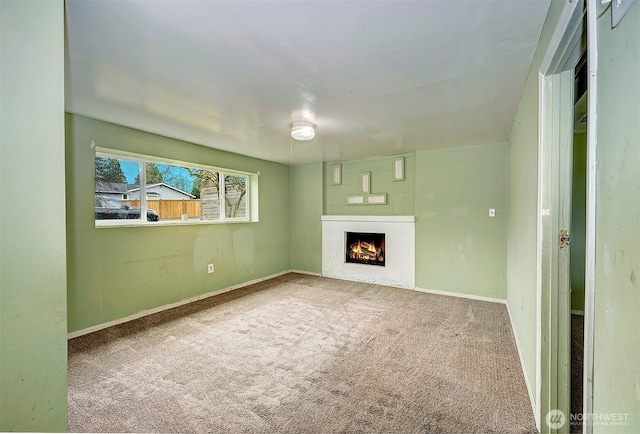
column 524, row 371
column 171, row 306
column 262, row 279
column 307, row 272
column 495, row 300
column 461, row 295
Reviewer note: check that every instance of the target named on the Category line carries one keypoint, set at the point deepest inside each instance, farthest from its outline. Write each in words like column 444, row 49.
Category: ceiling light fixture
column 303, row 130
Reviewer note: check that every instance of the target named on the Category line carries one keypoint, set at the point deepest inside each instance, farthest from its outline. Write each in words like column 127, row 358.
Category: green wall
column 578, row 220
column 115, row 272
column 523, row 207
column 33, row 318
column 306, row 210
column 459, row 248
column 400, row 194
column 617, row 292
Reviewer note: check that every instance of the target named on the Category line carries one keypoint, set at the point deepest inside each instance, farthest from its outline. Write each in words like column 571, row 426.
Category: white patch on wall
column 399, row 269
column 461, row 211
column 468, row 241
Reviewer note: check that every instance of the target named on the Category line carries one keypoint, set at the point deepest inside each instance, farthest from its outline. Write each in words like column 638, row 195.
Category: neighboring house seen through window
column 127, row 188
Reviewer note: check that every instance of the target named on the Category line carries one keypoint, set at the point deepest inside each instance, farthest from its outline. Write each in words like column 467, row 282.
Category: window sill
column 101, row 224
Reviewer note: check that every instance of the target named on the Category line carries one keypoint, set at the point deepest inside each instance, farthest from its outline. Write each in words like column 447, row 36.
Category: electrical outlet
column 492, row 212
column 210, row 268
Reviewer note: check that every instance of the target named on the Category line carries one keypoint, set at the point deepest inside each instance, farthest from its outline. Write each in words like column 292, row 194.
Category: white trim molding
column 336, row 174
column 590, row 247
column 369, row 218
column 309, row 273
column 398, row 169
column 565, row 36
column 461, row 295
column 530, row 390
column 365, row 178
column 173, row 305
column 562, row 53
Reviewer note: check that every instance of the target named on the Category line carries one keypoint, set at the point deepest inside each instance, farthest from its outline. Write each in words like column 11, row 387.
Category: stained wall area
column 616, row 384
column 306, row 209
column 115, row 272
column 459, row 247
column 33, row 286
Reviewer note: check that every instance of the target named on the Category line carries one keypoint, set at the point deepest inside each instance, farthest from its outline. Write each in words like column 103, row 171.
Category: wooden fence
column 171, row 209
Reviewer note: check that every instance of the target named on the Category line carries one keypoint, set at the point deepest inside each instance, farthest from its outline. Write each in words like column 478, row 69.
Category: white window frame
column 251, row 184
column 223, row 192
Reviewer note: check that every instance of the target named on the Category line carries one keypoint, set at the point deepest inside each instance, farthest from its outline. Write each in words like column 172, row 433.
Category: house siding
column 163, row 192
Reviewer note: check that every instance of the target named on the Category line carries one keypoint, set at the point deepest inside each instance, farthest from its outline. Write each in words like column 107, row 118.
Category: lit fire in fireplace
column 366, row 251
column 365, row 248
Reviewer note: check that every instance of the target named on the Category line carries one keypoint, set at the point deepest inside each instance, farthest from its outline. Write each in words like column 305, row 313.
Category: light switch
column 492, row 212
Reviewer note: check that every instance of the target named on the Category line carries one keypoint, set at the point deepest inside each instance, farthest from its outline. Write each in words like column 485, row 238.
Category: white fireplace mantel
column 368, row 218
column 399, row 269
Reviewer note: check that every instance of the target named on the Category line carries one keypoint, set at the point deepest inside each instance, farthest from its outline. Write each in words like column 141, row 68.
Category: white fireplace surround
column 399, row 269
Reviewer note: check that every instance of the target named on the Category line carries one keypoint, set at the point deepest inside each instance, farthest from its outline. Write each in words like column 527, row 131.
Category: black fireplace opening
column 365, row 248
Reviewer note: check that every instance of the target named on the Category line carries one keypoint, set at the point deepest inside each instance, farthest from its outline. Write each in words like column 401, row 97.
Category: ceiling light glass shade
column 303, row 130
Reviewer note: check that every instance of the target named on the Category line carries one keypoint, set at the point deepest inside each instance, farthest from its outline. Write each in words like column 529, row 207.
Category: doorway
column 578, row 239
column 566, row 194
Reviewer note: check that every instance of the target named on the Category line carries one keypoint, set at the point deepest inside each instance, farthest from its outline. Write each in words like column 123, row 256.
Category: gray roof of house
column 114, row 187
column 137, row 187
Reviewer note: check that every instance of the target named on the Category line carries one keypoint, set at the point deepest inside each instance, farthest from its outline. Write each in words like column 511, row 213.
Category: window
column 129, row 186
column 115, row 176
column 235, row 196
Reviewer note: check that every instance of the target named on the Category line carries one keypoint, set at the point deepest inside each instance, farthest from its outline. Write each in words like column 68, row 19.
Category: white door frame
column 563, row 50
column 590, row 247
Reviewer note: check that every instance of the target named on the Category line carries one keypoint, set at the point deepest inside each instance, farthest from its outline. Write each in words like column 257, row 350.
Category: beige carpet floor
column 304, row 354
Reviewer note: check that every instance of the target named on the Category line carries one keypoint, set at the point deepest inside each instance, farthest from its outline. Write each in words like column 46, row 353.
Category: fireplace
column 365, row 248
column 399, row 249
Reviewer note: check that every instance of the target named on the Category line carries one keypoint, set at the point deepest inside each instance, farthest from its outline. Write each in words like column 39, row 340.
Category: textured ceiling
column 376, row 77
